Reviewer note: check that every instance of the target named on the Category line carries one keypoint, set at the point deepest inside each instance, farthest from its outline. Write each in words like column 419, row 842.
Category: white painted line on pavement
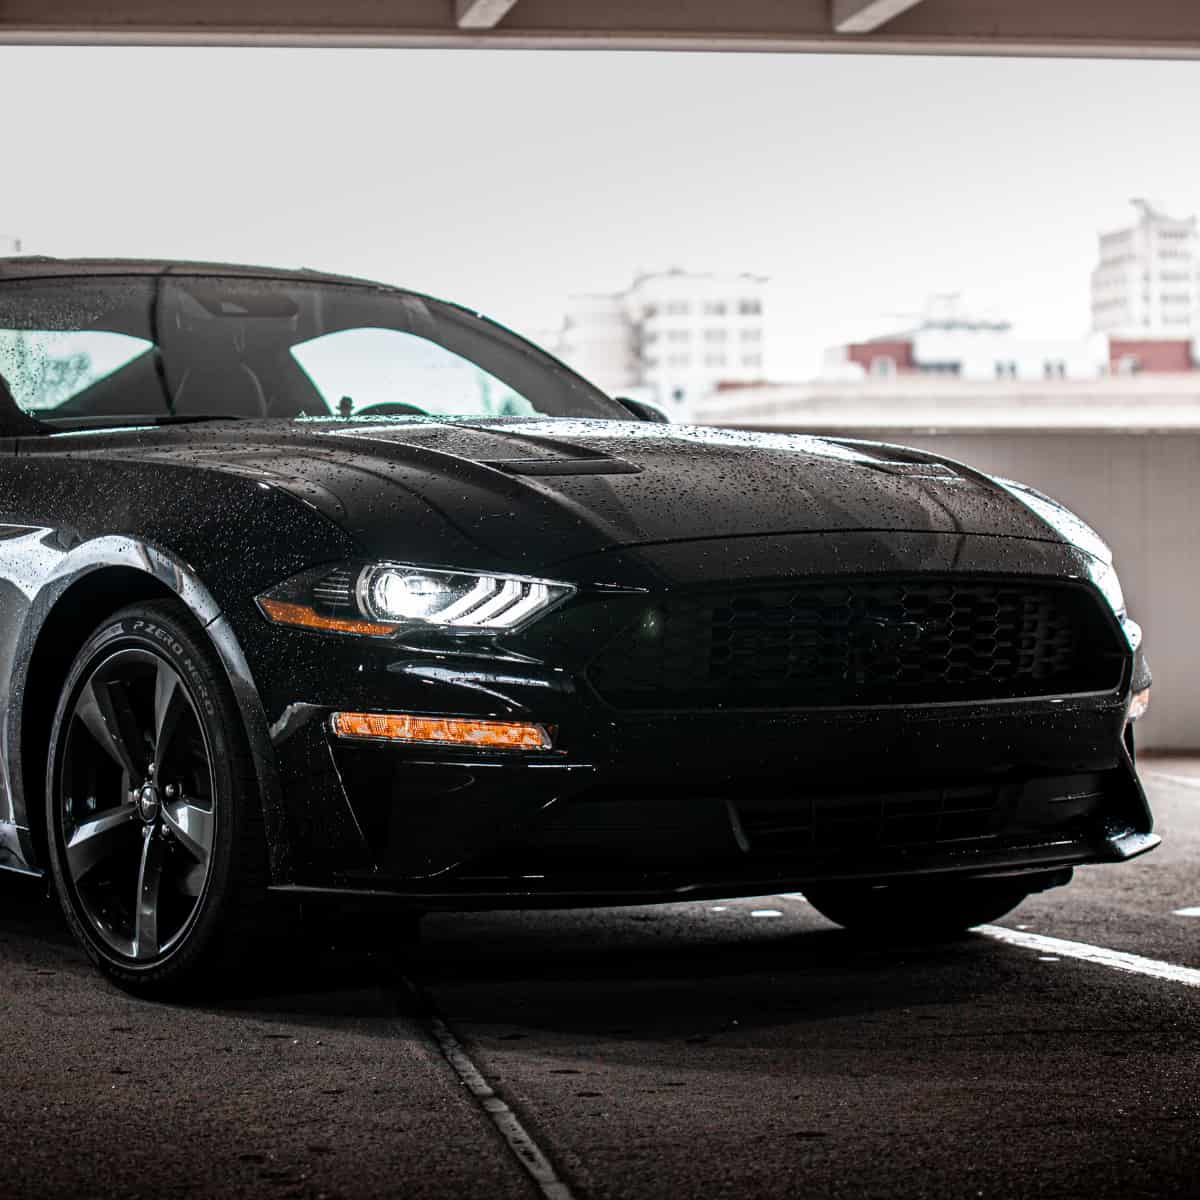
column 1053, row 948
column 519, row 1140
column 766, row 912
column 1187, row 912
column 1118, row 960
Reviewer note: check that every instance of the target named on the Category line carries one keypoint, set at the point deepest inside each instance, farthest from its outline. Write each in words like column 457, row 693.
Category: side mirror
column 14, row 421
column 645, row 410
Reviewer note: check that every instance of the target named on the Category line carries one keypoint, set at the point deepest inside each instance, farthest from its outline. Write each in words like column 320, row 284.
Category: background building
column 9, row 245
column 598, row 339
column 1148, row 278
column 948, row 341
column 672, row 336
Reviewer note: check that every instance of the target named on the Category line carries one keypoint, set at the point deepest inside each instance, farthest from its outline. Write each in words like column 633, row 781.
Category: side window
column 364, row 369
column 45, row 369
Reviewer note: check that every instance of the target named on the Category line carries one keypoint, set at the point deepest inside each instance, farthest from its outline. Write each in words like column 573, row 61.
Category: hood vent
column 917, row 470
column 565, row 466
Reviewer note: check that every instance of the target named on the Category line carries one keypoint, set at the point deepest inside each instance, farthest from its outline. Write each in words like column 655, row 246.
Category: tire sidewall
column 171, row 637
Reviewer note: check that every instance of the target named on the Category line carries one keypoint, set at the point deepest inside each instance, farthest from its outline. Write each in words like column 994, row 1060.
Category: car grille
column 862, row 642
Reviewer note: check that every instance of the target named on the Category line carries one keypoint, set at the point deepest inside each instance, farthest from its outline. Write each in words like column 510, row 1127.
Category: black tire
column 153, row 812
column 916, row 911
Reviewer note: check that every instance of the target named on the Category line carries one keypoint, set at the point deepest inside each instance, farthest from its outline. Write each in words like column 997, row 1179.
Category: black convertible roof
column 34, row 267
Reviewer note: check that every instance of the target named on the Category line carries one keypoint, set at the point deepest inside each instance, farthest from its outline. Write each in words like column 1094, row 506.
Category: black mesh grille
column 855, row 641
column 919, row 818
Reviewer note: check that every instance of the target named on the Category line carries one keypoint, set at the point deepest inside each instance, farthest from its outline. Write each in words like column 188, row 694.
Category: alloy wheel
column 136, row 804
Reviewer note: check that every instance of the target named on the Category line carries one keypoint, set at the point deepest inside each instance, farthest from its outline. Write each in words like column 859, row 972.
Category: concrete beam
column 865, row 16
column 480, row 14
column 1080, row 28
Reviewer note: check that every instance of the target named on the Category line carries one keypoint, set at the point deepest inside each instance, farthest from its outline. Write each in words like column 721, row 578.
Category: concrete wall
column 1141, row 492
column 1115, row 403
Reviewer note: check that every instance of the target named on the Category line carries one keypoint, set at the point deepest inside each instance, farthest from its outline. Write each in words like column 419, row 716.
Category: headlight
column 382, row 599
column 1139, row 703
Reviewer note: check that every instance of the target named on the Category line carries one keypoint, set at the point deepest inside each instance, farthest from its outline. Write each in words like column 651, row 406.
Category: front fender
column 57, row 578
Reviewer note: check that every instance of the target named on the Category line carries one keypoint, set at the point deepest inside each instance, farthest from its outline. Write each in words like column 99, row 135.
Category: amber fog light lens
column 455, row 731
column 1139, row 704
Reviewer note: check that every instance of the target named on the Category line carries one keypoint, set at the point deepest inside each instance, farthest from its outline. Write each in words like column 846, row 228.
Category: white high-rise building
column 672, row 336
column 9, row 245
column 1147, row 283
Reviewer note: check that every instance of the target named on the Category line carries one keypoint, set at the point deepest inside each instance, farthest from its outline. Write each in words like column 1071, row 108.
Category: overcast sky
column 508, row 180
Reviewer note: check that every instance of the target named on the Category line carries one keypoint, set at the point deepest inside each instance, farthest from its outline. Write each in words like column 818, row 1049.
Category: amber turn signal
column 457, row 731
column 283, row 612
column 1139, row 704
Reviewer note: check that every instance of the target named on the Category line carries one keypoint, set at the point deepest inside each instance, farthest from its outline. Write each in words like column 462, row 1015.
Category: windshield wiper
column 196, row 418
column 137, row 420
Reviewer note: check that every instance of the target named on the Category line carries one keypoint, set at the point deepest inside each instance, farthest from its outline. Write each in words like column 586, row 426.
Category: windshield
column 190, row 346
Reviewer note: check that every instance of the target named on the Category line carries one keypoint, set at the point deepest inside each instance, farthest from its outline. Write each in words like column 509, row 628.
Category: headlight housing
column 385, row 598
column 1106, row 580
column 1060, row 518
column 1080, row 533
column 1110, row 588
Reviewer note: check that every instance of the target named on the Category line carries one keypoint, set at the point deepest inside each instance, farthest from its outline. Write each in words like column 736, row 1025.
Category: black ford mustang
column 320, row 588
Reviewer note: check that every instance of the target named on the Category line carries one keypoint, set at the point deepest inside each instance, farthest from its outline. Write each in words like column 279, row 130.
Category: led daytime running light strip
column 492, row 602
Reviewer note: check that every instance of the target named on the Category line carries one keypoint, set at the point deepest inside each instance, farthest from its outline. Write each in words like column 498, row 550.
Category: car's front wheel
column 918, row 910
column 153, row 817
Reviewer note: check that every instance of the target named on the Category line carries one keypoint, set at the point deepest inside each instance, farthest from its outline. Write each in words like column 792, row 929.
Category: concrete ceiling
column 1091, row 28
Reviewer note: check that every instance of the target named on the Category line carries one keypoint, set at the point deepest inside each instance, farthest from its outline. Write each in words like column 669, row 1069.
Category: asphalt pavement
column 739, row 1048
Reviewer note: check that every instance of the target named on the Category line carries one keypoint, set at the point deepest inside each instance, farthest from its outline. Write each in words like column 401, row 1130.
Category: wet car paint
column 452, row 486
column 219, row 514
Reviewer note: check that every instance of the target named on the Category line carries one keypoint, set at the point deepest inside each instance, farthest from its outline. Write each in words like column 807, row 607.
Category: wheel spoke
column 138, row 866
column 145, row 928
column 191, row 882
column 193, row 826
column 95, row 840
column 170, row 705
column 104, row 710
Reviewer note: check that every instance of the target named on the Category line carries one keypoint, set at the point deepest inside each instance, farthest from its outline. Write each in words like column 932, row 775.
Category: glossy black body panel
column 649, row 803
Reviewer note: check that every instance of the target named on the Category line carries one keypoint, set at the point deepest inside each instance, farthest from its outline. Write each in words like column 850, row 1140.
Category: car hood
column 522, row 493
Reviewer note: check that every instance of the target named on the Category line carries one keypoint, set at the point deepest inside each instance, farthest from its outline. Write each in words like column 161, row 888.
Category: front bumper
column 674, row 807
column 634, row 806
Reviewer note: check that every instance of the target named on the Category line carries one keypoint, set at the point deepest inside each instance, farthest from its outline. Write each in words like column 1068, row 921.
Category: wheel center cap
column 147, row 803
